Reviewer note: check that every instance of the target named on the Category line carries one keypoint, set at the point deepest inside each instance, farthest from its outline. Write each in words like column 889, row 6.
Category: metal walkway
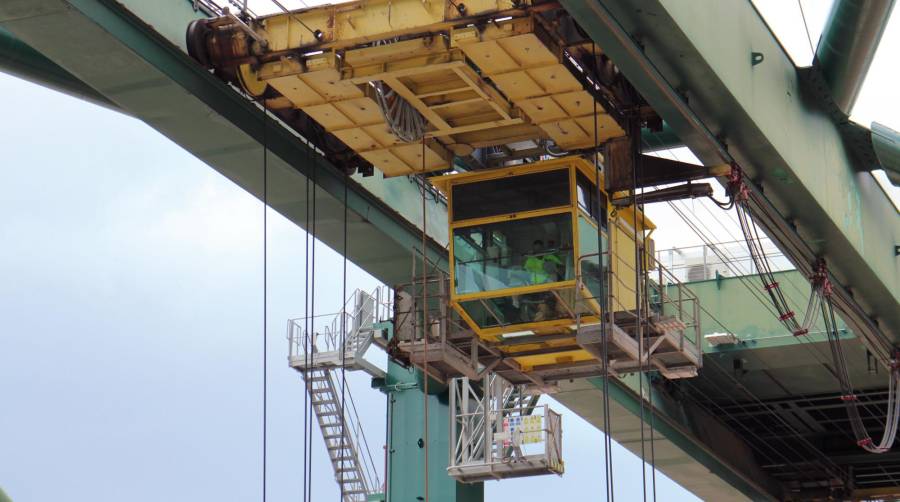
column 318, row 354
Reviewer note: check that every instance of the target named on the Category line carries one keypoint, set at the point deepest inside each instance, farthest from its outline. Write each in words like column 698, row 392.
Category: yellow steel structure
column 574, row 298
column 483, row 73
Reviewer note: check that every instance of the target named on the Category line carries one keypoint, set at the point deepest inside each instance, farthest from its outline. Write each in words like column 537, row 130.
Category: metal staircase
column 354, row 468
column 317, row 353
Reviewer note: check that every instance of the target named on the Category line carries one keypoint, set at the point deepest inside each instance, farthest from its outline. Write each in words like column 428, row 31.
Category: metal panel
column 790, row 149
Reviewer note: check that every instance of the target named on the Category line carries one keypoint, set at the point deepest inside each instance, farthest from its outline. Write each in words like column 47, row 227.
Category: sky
column 132, row 318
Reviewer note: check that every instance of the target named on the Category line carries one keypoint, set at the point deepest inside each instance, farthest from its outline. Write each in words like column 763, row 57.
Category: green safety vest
column 535, row 266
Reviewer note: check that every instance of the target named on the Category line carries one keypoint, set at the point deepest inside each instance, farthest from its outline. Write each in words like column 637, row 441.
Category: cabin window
column 511, row 194
column 513, row 253
column 518, row 309
column 587, row 199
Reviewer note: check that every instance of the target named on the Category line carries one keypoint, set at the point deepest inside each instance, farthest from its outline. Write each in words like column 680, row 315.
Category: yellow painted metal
column 621, row 237
column 350, row 24
column 532, row 74
column 476, row 83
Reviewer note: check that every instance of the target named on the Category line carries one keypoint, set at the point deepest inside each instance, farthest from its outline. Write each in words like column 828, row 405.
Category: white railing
column 353, row 429
column 307, row 336
column 495, row 433
column 662, row 293
column 726, row 259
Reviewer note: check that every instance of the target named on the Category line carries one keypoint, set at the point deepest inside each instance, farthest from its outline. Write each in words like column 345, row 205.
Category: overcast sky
column 131, row 314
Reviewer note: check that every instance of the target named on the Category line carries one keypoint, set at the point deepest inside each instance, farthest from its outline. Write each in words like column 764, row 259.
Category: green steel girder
column 128, row 62
column 20, row 60
column 693, row 62
column 148, row 75
column 691, row 447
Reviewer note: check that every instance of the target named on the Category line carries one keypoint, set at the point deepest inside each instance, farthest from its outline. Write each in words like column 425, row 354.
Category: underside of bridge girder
column 134, row 59
column 694, row 62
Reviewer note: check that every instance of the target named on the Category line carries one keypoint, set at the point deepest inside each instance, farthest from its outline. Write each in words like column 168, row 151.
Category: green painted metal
column 153, row 79
column 789, row 147
column 886, row 144
column 408, row 439
column 768, row 352
column 665, row 139
column 624, row 392
column 754, row 325
column 20, row 60
column 848, row 44
column 150, row 77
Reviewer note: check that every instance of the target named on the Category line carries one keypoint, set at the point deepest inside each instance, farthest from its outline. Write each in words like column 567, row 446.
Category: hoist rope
column 312, row 306
column 806, row 27
column 306, row 342
column 343, row 341
column 425, row 315
column 604, row 311
column 265, row 367
column 634, row 131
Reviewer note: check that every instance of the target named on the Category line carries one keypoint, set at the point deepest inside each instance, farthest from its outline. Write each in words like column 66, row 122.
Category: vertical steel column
column 406, row 447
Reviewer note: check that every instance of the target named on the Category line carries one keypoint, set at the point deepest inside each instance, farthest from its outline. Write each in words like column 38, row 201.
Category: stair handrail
column 351, row 417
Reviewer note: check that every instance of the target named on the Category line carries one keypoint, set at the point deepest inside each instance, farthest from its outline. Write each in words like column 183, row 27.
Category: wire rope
column 345, row 444
column 425, row 326
column 305, row 340
column 634, row 132
column 312, row 302
column 806, row 27
column 265, row 367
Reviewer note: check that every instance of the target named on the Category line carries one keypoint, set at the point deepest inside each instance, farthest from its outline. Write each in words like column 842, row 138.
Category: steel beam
column 848, row 44
column 127, row 61
column 410, row 442
column 20, row 60
column 694, row 62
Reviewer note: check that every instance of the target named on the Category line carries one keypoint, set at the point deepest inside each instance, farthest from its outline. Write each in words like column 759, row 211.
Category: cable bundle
column 820, row 298
column 850, row 399
column 405, row 121
column 771, row 286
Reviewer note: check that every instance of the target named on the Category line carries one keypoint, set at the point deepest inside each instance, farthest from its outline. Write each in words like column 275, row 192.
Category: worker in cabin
column 542, row 266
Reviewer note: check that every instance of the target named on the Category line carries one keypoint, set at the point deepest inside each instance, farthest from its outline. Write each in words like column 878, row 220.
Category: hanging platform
column 498, row 431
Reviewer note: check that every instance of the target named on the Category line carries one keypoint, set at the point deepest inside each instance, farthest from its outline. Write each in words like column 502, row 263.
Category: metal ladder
column 342, row 437
column 319, row 356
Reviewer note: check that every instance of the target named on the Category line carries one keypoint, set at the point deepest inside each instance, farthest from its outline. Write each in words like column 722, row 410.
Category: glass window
column 587, row 194
column 513, row 253
column 518, row 309
column 512, row 194
column 587, row 252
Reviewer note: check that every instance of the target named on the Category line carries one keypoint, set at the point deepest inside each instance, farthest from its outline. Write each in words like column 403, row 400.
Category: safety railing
column 307, row 335
column 354, row 430
column 723, row 259
column 661, row 294
column 492, row 440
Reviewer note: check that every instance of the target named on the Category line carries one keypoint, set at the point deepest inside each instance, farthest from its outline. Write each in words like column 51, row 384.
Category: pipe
column 848, row 44
column 886, row 144
column 18, row 59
